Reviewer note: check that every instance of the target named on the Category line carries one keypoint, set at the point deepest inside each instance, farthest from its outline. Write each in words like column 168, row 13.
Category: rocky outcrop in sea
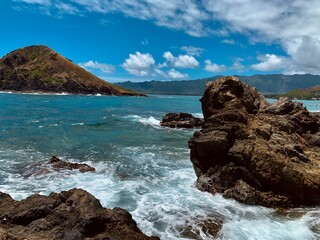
column 69, row 215
column 181, row 120
column 256, row 152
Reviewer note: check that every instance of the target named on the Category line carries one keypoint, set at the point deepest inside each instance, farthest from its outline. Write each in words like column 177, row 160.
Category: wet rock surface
column 256, row 152
column 58, row 164
column 181, row 120
column 69, row 215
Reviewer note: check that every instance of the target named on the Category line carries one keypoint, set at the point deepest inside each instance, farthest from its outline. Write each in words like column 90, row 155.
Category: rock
column 69, row 215
column 181, row 120
column 256, row 152
column 59, row 164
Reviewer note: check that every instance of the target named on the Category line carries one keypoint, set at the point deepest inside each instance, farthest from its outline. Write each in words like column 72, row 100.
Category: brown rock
column 59, row 164
column 181, row 120
column 69, row 215
column 256, row 152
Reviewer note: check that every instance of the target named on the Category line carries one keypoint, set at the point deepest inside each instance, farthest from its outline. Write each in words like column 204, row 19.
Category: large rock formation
column 181, row 120
column 40, row 69
column 256, row 152
column 69, row 215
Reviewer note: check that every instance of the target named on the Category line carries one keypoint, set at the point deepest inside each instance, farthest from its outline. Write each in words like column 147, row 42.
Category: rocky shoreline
column 69, row 215
column 256, row 152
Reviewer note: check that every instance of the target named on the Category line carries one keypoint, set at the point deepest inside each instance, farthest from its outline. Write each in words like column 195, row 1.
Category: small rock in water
column 181, row 120
column 59, row 164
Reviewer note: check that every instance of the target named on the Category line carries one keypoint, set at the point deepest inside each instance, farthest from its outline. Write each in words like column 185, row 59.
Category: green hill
column 266, row 84
column 40, row 69
column 309, row 93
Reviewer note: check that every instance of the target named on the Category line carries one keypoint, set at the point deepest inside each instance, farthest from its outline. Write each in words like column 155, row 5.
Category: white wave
column 198, row 115
column 145, row 121
column 77, row 124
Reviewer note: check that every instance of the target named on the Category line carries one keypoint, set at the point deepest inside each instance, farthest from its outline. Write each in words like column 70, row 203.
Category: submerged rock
column 69, row 215
column 256, row 152
column 181, row 120
column 59, row 164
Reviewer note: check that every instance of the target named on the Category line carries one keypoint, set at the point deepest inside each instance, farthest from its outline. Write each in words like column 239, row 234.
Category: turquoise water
column 140, row 166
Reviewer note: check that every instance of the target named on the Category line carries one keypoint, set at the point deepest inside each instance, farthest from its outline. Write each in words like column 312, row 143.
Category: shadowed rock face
column 255, row 152
column 181, row 120
column 69, row 215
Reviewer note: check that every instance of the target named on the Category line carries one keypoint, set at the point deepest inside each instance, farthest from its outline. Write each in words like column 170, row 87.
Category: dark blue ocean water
column 140, row 166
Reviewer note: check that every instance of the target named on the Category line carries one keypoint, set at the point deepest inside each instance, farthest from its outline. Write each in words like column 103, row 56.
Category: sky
column 141, row 40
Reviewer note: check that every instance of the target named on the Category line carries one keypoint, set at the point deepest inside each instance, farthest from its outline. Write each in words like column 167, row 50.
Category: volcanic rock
column 59, row 164
column 181, row 120
column 40, row 69
column 69, row 215
column 256, row 152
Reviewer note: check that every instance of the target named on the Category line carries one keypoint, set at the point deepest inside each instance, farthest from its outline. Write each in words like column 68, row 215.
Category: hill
column 309, row 93
column 40, row 69
column 266, row 84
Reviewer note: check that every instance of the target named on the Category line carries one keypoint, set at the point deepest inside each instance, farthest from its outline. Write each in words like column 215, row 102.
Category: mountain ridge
column 266, row 84
column 38, row 68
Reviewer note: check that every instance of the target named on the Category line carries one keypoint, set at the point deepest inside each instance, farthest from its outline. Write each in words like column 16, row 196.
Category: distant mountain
column 271, row 83
column 40, row 69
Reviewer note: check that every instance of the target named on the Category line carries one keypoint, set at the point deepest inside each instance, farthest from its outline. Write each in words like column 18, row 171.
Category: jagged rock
column 69, row 215
column 256, row 152
column 59, row 164
column 181, row 120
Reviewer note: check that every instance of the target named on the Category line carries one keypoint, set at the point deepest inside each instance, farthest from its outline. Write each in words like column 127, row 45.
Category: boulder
column 256, row 152
column 58, row 164
column 181, row 120
column 69, row 215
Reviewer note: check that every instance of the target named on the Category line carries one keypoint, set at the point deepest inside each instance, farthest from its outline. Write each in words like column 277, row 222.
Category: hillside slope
column 309, row 93
column 40, row 69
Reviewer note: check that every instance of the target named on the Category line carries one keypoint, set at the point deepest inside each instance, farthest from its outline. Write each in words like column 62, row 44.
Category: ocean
column 141, row 166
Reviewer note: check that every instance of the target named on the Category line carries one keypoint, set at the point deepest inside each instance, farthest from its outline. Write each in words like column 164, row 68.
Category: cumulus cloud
column 269, row 62
column 292, row 24
column 182, row 61
column 213, row 67
column 139, row 64
column 103, row 67
column 144, row 65
column 172, row 73
column 193, row 51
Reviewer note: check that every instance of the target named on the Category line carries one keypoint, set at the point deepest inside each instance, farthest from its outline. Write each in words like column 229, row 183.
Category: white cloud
column 66, row 8
column 182, row 61
column 172, row 73
column 139, row 64
column 238, row 66
column 228, row 41
column 193, row 51
column 41, row 2
column 145, row 42
column 293, row 24
column 213, row 67
column 105, row 68
column 270, row 62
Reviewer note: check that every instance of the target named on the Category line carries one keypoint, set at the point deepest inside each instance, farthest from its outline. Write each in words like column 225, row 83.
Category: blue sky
column 121, row 40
